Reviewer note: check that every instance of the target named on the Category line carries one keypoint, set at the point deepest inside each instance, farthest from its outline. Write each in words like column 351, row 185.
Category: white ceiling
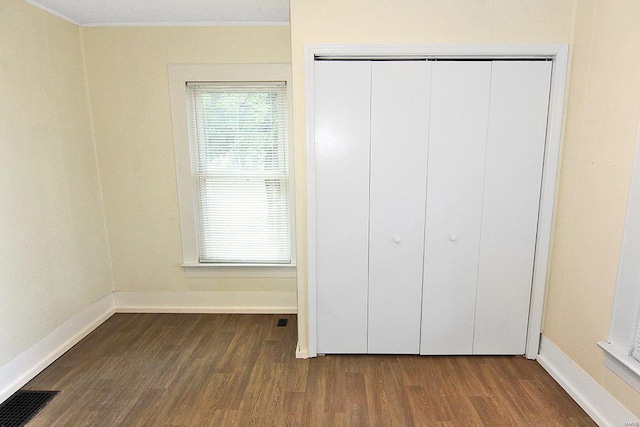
column 168, row 12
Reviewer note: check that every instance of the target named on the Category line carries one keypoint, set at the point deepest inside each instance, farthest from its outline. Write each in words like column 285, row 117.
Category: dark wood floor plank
column 388, row 402
column 240, row 370
column 429, row 406
column 356, row 399
column 290, row 414
column 313, row 413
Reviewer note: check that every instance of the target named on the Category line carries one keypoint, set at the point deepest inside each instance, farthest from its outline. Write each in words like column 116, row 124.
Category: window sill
column 239, row 270
column 622, row 364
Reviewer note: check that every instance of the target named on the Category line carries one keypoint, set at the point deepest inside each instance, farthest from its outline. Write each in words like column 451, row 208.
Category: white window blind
column 240, row 169
column 636, row 343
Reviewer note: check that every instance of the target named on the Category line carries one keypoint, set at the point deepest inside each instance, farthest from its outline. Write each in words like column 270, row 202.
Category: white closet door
column 515, row 151
column 342, row 134
column 399, row 131
column 457, row 145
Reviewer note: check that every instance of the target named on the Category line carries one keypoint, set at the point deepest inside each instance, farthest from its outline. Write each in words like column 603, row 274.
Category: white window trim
column 179, row 75
column 626, row 306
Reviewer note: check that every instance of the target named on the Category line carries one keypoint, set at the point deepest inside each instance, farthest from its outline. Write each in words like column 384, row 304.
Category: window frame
column 625, row 316
column 179, row 76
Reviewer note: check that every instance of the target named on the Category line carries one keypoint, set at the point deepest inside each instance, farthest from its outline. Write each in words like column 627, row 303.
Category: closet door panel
column 515, row 151
column 342, row 134
column 457, row 145
column 399, row 131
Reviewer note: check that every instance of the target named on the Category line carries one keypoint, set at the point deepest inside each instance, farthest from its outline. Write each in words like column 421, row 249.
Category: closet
column 427, row 188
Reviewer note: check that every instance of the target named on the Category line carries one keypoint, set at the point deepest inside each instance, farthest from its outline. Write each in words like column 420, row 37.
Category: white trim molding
column 179, row 76
column 558, row 53
column 23, row 368
column 625, row 316
column 188, row 24
column 603, row 408
column 621, row 363
column 265, row 302
column 236, row 271
column 301, row 353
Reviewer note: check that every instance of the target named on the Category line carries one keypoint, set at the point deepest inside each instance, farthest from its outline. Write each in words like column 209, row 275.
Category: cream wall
column 603, row 109
column 600, row 137
column 55, row 259
column 129, row 90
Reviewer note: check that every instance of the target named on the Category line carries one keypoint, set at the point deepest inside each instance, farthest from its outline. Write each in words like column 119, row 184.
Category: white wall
column 54, row 258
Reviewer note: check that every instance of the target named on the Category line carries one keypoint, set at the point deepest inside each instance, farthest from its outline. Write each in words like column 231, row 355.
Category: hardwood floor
column 240, row 370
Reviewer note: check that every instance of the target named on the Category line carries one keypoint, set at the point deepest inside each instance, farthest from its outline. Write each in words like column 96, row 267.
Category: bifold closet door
column 427, row 189
column 457, row 146
column 486, row 148
column 399, row 132
column 371, row 132
column 515, row 153
column 342, row 147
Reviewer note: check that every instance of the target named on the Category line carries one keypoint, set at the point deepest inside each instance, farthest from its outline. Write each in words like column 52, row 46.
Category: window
column 231, row 136
column 622, row 348
column 636, row 345
column 240, row 161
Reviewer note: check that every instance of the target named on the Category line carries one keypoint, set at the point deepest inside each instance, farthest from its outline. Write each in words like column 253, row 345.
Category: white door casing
column 555, row 52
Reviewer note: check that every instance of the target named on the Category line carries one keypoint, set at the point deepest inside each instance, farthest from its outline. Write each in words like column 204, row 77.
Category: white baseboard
column 301, row 353
column 603, row 408
column 23, row 368
column 207, row 302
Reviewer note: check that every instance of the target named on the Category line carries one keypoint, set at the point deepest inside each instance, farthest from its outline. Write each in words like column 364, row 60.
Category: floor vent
column 23, row 405
column 282, row 322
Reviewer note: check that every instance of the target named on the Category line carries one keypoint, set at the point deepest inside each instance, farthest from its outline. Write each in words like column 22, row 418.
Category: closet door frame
column 558, row 53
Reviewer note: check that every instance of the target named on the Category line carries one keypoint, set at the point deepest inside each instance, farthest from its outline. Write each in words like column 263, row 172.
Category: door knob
column 453, row 237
